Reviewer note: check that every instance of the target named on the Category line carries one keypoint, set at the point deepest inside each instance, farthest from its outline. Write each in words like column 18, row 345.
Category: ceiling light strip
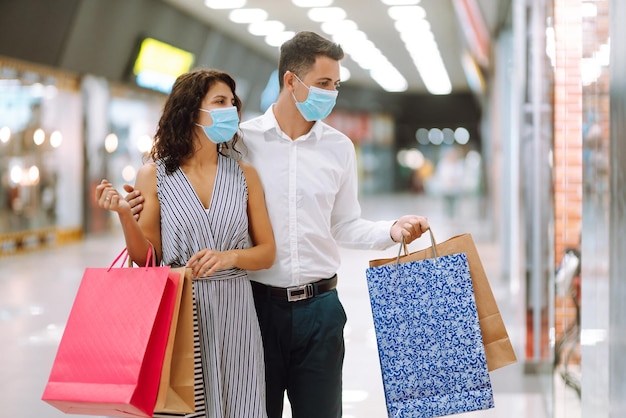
column 415, row 32
column 360, row 49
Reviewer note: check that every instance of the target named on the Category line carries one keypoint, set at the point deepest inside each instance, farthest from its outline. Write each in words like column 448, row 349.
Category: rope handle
column 404, row 246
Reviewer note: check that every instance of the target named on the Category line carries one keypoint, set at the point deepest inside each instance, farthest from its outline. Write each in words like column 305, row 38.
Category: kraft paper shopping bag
column 498, row 346
column 111, row 353
column 176, row 390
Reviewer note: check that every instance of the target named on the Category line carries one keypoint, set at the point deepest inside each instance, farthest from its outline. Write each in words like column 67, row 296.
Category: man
column 309, row 175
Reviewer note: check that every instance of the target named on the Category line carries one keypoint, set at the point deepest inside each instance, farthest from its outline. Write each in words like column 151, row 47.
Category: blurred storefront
column 40, row 159
column 60, row 134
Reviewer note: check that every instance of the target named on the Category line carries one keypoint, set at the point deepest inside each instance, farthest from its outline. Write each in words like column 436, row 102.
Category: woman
column 201, row 209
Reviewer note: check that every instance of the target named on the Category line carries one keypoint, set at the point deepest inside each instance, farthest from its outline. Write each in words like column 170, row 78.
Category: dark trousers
column 304, row 351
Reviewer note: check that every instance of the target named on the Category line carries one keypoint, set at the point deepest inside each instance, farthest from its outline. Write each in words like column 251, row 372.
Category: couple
column 261, row 236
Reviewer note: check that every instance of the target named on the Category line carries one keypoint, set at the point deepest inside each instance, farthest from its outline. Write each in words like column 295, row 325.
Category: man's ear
column 288, row 80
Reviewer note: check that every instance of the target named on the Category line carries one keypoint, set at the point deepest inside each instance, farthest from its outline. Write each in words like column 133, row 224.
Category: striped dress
column 230, row 340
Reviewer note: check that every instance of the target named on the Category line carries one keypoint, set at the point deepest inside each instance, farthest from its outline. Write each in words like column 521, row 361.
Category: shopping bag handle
column 403, row 245
column 150, row 258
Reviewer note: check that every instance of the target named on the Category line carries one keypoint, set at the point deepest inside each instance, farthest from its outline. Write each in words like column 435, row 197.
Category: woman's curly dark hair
column 173, row 141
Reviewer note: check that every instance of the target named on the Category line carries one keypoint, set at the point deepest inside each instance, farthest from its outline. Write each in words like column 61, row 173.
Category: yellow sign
column 159, row 57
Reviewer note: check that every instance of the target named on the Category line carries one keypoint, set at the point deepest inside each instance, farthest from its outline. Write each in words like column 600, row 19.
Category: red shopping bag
column 110, row 357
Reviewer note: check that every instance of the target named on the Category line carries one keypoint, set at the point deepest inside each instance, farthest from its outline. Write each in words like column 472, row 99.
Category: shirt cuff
column 384, row 240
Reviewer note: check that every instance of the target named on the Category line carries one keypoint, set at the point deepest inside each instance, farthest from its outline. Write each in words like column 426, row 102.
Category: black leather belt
column 295, row 293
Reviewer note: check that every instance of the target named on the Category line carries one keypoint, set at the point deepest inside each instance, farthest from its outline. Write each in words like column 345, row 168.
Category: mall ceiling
column 457, row 26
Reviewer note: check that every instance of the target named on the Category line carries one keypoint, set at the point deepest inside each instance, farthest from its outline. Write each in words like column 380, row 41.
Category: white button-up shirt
column 311, row 191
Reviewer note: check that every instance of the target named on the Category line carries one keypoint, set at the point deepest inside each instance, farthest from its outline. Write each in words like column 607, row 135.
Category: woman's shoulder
column 146, row 177
column 250, row 173
column 246, row 167
column 148, row 168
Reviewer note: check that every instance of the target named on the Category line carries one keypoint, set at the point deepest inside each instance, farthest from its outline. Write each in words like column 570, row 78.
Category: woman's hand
column 206, row 262
column 109, row 198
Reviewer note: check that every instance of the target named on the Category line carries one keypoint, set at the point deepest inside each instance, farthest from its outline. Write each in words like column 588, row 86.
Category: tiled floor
column 37, row 290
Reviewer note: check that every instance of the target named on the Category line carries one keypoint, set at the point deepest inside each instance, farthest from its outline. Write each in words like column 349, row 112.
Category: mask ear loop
column 299, row 81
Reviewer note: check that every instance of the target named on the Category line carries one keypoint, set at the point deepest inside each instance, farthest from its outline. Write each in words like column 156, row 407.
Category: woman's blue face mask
column 318, row 104
column 225, row 124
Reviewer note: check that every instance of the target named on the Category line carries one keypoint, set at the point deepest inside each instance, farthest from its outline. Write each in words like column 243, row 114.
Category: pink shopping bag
column 111, row 354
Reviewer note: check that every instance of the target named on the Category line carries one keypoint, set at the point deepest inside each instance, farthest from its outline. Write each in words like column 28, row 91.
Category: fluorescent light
column 419, row 41
column 368, row 58
column 350, row 40
column 415, row 32
column 434, row 75
column 365, row 53
column 266, row 27
column 421, row 25
column 389, row 78
column 333, row 27
column 406, row 13
column 278, row 38
column 325, row 14
column 312, row 3
column 224, row 4
column 247, row 15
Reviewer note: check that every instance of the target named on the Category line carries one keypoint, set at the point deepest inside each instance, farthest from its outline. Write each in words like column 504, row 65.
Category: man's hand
column 109, row 198
column 409, row 226
column 135, row 199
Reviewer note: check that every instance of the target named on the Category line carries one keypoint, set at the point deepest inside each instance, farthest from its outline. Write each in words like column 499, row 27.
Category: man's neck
column 289, row 118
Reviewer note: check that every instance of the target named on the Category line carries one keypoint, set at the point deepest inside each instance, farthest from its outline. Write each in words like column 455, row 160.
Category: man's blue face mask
column 225, row 124
column 318, row 104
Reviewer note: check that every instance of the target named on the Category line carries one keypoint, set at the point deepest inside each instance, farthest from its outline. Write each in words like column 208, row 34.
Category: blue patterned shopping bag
column 429, row 340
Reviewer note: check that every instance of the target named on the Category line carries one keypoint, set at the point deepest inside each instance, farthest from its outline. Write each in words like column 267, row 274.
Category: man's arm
column 135, row 199
column 352, row 231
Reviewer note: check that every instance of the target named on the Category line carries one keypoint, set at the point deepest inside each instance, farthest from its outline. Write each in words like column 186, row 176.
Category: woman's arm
column 150, row 221
column 138, row 234
column 263, row 251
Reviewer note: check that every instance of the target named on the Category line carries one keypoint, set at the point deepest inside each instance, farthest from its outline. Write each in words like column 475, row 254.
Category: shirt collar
column 271, row 124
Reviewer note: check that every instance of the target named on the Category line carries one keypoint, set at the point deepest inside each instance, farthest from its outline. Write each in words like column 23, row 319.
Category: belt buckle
column 302, row 292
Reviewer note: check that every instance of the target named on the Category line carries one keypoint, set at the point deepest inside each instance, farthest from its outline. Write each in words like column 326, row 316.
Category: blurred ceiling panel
column 457, row 26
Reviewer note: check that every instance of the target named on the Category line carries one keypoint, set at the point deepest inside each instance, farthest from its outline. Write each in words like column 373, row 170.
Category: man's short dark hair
column 299, row 53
